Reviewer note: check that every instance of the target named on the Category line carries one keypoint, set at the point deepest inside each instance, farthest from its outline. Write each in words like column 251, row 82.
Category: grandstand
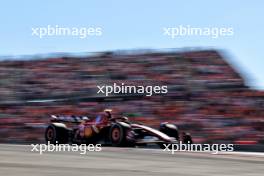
column 206, row 95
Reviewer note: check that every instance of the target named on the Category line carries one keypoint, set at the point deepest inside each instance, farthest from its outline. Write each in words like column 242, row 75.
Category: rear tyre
column 56, row 135
column 118, row 136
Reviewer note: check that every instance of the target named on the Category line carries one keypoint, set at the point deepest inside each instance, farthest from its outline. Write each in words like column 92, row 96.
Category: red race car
column 108, row 130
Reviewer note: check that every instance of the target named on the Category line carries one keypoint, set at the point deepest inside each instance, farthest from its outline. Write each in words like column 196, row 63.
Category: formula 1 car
column 106, row 130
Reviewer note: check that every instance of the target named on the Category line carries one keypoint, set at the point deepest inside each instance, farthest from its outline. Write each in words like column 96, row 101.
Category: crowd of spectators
column 206, row 95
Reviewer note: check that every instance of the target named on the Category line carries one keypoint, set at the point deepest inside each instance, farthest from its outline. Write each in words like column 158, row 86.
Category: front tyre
column 187, row 138
column 170, row 129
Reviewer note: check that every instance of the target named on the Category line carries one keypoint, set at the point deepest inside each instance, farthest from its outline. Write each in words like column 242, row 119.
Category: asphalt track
column 18, row 160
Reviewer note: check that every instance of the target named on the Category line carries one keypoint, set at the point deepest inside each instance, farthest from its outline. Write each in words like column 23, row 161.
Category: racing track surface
column 18, row 160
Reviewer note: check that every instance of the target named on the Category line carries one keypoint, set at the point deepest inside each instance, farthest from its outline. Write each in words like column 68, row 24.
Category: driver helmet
column 85, row 118
column 108, row 113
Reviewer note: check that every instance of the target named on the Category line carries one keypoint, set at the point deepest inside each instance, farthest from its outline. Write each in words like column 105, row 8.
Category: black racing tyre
column 117, row 135
column 56, row 135
column 187, row 139
column 170, row 131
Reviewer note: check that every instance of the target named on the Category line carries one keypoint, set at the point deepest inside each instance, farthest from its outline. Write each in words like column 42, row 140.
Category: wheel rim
column 115, row 134
column 50, row 134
